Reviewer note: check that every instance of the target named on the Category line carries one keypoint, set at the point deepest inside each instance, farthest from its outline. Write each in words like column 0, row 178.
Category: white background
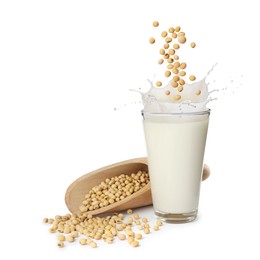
column 65, row 66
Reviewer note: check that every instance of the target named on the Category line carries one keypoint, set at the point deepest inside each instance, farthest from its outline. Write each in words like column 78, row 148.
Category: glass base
column 176, row 218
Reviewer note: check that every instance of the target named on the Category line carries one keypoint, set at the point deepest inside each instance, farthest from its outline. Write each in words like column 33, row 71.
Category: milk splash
column 194, row 97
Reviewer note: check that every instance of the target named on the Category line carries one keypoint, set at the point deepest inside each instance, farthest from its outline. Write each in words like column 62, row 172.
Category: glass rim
column 204, row 112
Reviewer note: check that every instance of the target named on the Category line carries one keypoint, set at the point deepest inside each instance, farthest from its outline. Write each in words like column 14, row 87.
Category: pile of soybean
column 113, row 190
column 88, row 229
column 172, row 40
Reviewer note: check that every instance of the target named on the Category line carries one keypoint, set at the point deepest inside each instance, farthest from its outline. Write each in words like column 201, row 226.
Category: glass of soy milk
column 175, row 121
column 175, row 146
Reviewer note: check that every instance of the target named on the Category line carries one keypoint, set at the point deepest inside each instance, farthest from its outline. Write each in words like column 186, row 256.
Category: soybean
column 167, row 73
column 192, row 78
column 177, row 97
column 164, row 34
column 182, row 39
column 158, row 83
column 193, row 45
column 198, row 92
column 155, row 24
column 152, row 40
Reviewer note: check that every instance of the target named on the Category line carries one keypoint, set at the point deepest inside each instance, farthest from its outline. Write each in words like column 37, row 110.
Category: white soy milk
column 175, row 147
